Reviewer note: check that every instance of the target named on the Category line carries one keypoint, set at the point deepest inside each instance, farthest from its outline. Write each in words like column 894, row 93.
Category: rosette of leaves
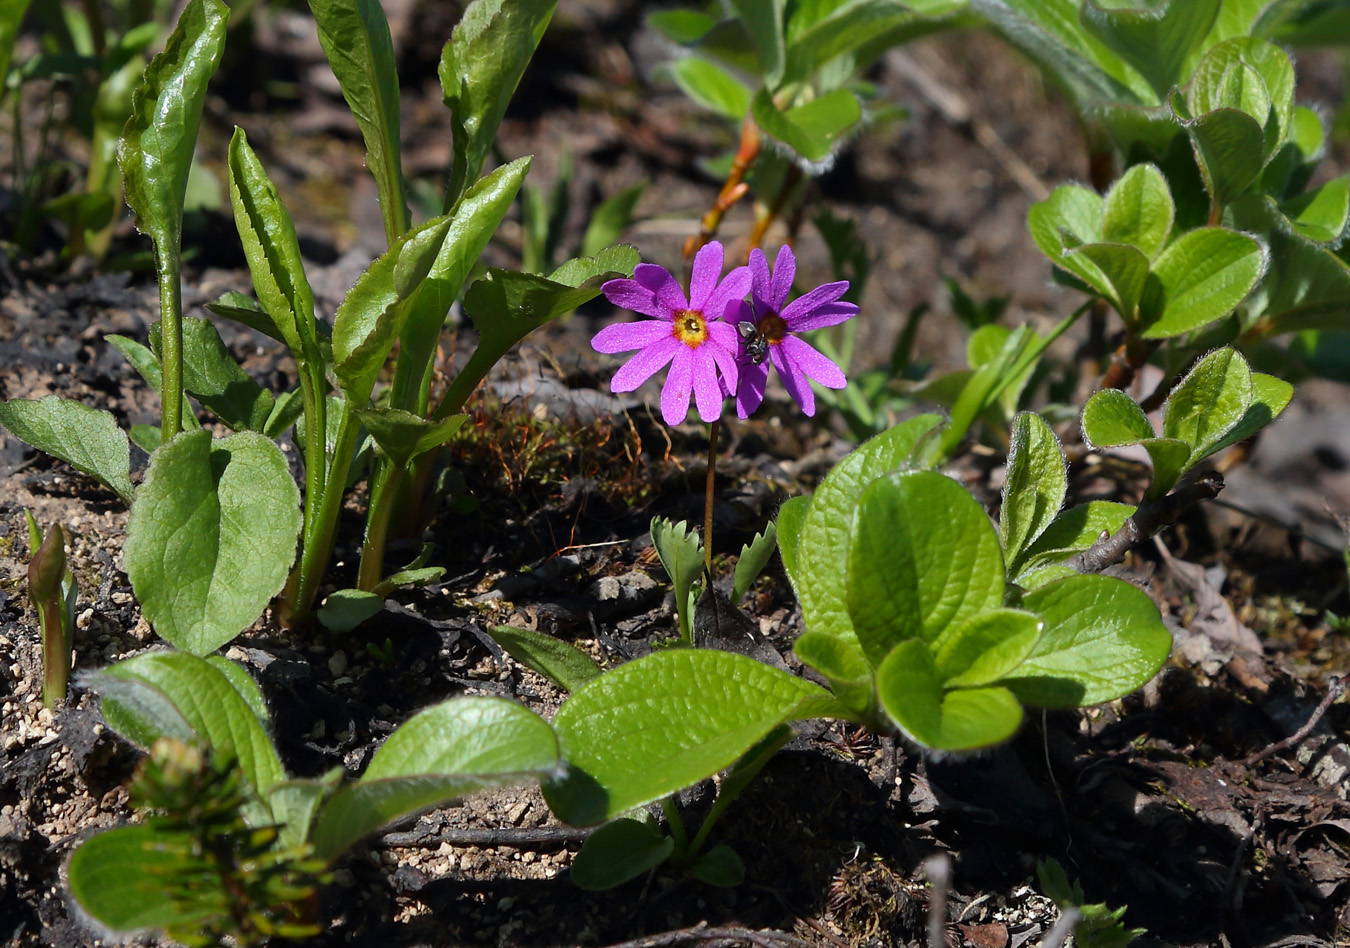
column 1220, row 402
column 1124, row 248
column 130, row 878
column 926, row 618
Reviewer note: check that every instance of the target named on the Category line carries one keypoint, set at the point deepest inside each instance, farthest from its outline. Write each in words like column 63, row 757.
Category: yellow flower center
column 772, row 328
column 690, row 328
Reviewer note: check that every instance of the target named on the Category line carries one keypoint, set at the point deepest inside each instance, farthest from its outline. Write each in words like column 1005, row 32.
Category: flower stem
column 733, row 189
column 708, row 498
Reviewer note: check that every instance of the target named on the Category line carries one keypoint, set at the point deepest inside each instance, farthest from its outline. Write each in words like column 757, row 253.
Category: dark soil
column 1161, row 802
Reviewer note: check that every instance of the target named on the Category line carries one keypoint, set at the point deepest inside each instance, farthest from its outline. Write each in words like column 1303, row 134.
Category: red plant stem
column 708, row 498
column 732, row 190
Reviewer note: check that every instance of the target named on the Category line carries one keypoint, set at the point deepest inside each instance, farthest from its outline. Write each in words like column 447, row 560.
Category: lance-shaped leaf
column 211, row 376
column 863, row 30
column 473, row 222
column 372, row 315
column 208, row 701
column 1202, row 276
column 211, row 536
column 711, row 86
column 763, row 20
column 480, row 68
column 658, row 724
column 560, row 662
column 86, row 438
column 402, row 436
column 355, row 37
column 681, row 554
column 791, row 516
column 912, row 694
column 1102, row 639
column 156, row 148
column 923, row 556
column 1209, row 401
column 507, row 305
column 1035, row 486
column 272, row 250
column 446, row 751
column 1157, row 40
column 812, row 128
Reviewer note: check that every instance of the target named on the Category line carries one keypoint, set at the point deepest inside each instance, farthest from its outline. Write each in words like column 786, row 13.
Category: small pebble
column 337, row 664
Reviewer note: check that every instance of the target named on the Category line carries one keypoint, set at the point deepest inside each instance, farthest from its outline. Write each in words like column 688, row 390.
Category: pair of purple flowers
column 715, row 342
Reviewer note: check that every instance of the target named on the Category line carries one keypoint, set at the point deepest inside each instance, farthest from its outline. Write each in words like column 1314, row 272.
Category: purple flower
column 768, row 336
column 689, row 334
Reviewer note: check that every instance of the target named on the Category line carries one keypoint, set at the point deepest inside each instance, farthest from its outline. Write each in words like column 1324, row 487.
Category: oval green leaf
column 962, row 719
column 618, row 852
column 1112, row 419
column 1037, row 481
column 1202, row 276
column 86, row 438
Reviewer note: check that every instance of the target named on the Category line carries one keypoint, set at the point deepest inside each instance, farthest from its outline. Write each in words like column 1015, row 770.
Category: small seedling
column 52, row 590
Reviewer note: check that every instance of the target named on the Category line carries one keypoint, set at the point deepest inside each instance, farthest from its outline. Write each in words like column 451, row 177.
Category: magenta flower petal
column 707, row 268
column 661, row 284
column 812, row 363
column 761, row 283
column 679, row 384
column 794, row 380
column 827, row 314
column 733, row 288
column 784, row 272
column 707, row 390
column 644, row 365
column 750, row 391
column 722, row 343
column 629, row 294
column 624, row 337
column 803, row 305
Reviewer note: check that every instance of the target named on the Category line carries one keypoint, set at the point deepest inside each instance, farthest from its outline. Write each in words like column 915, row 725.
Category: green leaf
column 1170, row 458
column 1118, row 272
column 719, row 866
column 681, row 554
column 206, row 697
column 1102, row 639
column 507, row 305
column 1209, row 401
column 617, row 852
column 985, row 647
column 211, row 536
column 345, row 609
column 1074, row 531
column 658, row 724
column 211, row 376
column 402, row 436
column 560, row 662
column 118, row 878
column 610, row 219
column 1228, row 147
column 472, row 223
column 1070, row 216
column 962, row 719
column 294, row 804
column 822, row 550
column 763, row 20
column 923, row 557
column 1035, row 487
column 86, row 438
column 685, row 27
column 754, row 557
column 156, row 148
column 242, row 682
column 857, row 29
column 272, row 250
column 445, row 751
column 791, row 516
column 1202, row 276
column 711, row 86
column 1270, row 396
column 371, row 317
column 355, row 37
column 480, row 68
column 1138, row 210
column 810, row 129
column 11, row 16
column 1320, row 214
column 1112, row 419
column 1156, row 40
column 1222, row 80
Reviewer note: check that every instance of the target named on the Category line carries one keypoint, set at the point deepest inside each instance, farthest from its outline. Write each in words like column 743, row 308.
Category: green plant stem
column 708, row 499
column 319, row 539
column 383, row 498
column 316, row 462
column 171, row 343
column 677, row 831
